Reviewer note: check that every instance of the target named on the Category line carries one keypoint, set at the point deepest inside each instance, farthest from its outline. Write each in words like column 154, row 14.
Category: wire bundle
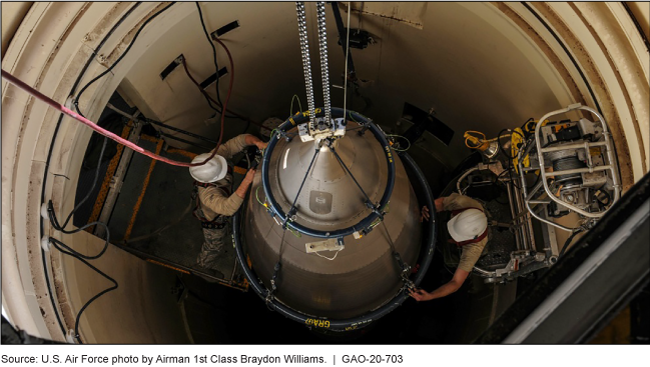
column 66, row 250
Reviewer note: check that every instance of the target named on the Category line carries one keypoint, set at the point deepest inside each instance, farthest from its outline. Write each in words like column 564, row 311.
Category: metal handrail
column 610, row 156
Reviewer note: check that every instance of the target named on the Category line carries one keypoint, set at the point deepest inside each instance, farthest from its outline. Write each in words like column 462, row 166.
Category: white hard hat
column 468, row 225
column 214, row 170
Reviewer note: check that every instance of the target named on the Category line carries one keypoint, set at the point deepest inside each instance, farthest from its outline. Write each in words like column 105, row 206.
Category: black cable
column 340, row 28
column 101, row 44
column 92, row 187
column 566, row 50
column 56, row 226
column 190, row 134
column 275, row 275
column 501, row 187
column 214, row 52
column 568, row 241
column 523, row 126
column 501, row 146
column 368, row 201
column 248, row 161
column 509, row 172
column 55, row 222
column 513, row 180
column 75, row 255
column 404, row 268
column 215, row 109
column 509, row 169
column 293, row 205
column 502, row 173
column 248, row 124
column 637, row 24
column 499, row 141
column 510, row 158
column 535, row 183
column 76, row 100
column 55, row 134
column 205, row 94
column 65, row 249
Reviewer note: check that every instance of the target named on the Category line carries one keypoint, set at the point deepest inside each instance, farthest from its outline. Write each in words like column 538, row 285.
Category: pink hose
column 59, row 107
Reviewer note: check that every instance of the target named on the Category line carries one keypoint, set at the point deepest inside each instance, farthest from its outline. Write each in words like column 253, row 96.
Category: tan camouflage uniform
column 472, row 251
column 217, row 200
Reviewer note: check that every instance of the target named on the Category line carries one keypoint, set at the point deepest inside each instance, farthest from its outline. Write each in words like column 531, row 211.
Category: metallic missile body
column 336, row 282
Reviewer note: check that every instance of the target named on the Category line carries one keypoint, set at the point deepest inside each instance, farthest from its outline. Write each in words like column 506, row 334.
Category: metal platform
column 148, row 208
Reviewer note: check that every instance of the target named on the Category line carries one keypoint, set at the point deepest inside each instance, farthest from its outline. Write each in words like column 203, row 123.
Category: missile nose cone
column 329, row 199
column 327, row 168
column 335, row 278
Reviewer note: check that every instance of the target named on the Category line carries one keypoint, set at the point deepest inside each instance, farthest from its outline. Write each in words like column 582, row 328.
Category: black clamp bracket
column 274, row 281
column 283, row 135
column 380, row 214
column 363, row 130
column 289, row 218
column 269, row 298
column 406, row 270
column 375, row 209
column 408, row 283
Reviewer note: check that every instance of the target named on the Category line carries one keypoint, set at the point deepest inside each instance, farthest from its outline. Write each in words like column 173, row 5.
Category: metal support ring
column 424, row 260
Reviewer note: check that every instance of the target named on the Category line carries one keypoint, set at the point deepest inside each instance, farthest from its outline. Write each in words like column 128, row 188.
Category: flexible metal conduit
column 324, row 69
column 306, row 63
